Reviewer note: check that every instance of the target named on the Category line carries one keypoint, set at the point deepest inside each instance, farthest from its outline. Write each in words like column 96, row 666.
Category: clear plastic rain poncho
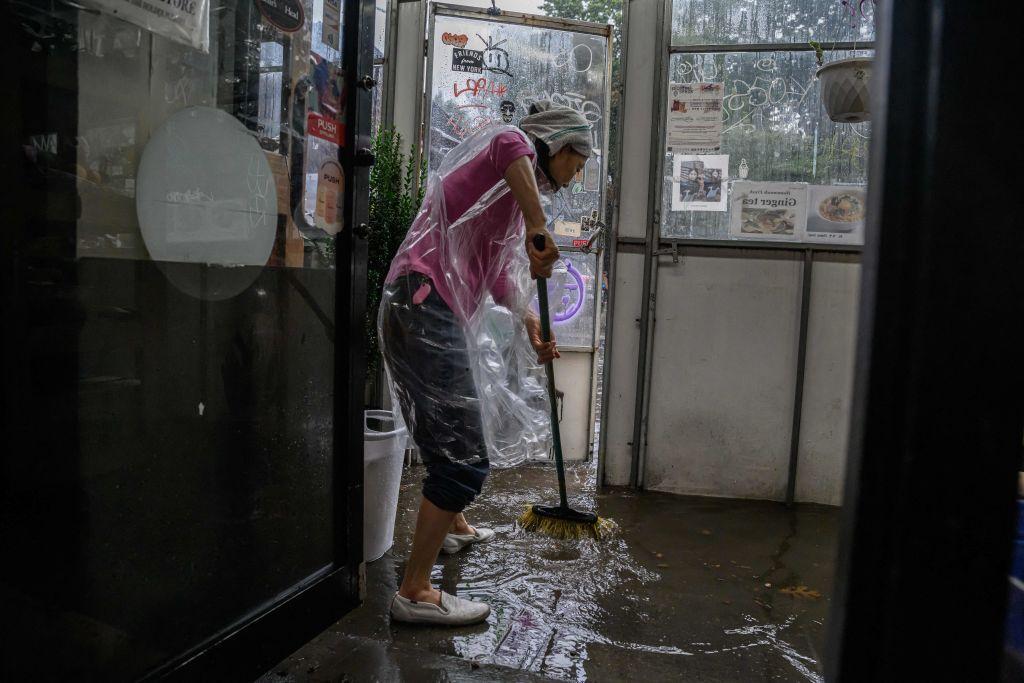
column 479, row 254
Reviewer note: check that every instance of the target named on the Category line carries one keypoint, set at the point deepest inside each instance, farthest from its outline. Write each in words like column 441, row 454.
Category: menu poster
column 699, row 182
column 768, row 211
column 835, row 214
column 183, row 22
column 695, row 117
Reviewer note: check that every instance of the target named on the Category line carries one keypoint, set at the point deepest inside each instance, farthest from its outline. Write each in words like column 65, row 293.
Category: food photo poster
column 835, row 214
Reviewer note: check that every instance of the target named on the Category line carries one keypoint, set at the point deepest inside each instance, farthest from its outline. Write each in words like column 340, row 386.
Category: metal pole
column 612, row 237
column 650, row 260
column 801, row 362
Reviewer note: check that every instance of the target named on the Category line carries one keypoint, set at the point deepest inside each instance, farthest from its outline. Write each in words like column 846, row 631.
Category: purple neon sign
column 567, row 298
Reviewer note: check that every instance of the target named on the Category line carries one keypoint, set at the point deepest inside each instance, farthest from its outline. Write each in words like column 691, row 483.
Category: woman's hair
column 544, row 160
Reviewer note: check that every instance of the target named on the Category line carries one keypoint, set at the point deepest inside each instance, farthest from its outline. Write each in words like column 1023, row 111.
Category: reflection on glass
column 179, row 354
column 774, row 129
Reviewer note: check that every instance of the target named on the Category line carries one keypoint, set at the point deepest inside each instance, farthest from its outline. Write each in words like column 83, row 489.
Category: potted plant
column 845, row 83
column 396, row 190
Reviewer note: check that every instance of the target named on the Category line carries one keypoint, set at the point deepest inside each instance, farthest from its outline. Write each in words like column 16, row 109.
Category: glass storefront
column 176, row 240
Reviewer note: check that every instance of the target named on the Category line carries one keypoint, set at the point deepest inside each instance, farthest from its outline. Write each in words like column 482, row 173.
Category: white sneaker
column 453, row 543
column 454, row 611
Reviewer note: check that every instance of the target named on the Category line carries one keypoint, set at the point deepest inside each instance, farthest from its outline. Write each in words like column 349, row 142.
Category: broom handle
column 545, row 327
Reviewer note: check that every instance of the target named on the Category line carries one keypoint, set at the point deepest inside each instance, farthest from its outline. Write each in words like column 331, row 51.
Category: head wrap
column 558, row 127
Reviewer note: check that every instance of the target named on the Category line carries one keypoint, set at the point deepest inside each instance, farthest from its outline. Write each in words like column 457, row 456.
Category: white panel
column 828, row 384
column 641, row 44
column 620, row 381
column 725, row 347
column 409, row 65
column 573, row 373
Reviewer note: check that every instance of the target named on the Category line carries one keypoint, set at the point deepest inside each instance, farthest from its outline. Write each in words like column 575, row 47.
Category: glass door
column 180, row 276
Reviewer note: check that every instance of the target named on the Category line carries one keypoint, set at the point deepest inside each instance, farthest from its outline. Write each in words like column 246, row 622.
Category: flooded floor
column 694, row 588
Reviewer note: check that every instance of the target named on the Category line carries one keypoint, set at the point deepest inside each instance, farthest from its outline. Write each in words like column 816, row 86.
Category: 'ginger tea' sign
column 772, row 211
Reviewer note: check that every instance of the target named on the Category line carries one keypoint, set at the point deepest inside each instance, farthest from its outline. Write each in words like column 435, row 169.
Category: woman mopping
column 481, row 212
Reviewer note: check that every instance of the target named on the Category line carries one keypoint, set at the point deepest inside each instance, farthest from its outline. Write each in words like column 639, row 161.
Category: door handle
column 365, row 157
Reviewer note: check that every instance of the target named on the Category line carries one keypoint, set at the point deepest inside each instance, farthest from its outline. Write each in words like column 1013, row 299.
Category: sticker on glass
column 468, row 61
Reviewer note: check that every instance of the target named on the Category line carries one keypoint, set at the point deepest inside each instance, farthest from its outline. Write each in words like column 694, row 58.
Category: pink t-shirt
column 462, row 189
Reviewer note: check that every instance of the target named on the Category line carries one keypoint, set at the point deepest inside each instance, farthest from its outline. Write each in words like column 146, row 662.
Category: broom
column 559, row 521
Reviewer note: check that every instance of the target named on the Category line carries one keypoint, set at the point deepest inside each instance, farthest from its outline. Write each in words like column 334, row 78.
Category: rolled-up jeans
column 425, row 351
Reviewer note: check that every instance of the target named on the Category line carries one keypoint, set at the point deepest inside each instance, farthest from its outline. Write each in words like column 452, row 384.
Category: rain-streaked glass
column 715, row 22
column 520, row 65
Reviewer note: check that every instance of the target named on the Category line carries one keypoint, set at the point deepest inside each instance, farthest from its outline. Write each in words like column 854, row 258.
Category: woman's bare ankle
column 462, row 529
column 421, row 594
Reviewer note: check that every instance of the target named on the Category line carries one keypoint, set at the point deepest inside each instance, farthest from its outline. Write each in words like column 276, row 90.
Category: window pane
column 378, row 99
column 704, row 22
column 775, row 122
column 380, row 30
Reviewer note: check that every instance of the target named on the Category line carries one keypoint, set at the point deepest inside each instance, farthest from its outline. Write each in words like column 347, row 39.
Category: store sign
column 469, row 61
column 286, row 15
column 183, row 21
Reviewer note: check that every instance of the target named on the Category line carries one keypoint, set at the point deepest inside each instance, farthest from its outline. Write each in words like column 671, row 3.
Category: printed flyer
column 695, row 118
column 699, row 182
column 771, row 211
column 835, row 214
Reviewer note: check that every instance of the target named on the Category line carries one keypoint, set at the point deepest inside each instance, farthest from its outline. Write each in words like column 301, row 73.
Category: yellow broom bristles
column 563, row 528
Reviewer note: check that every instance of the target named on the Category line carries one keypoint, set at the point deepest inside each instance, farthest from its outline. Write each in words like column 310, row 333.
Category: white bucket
column 383, row 456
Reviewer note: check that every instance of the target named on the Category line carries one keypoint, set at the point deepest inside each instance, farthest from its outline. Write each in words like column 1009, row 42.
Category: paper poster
column 699, row 182
column 774, row 211
column 183, row 21
column 324, row 178
column 695, row 118
column 835, row 214
column 468, row 61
